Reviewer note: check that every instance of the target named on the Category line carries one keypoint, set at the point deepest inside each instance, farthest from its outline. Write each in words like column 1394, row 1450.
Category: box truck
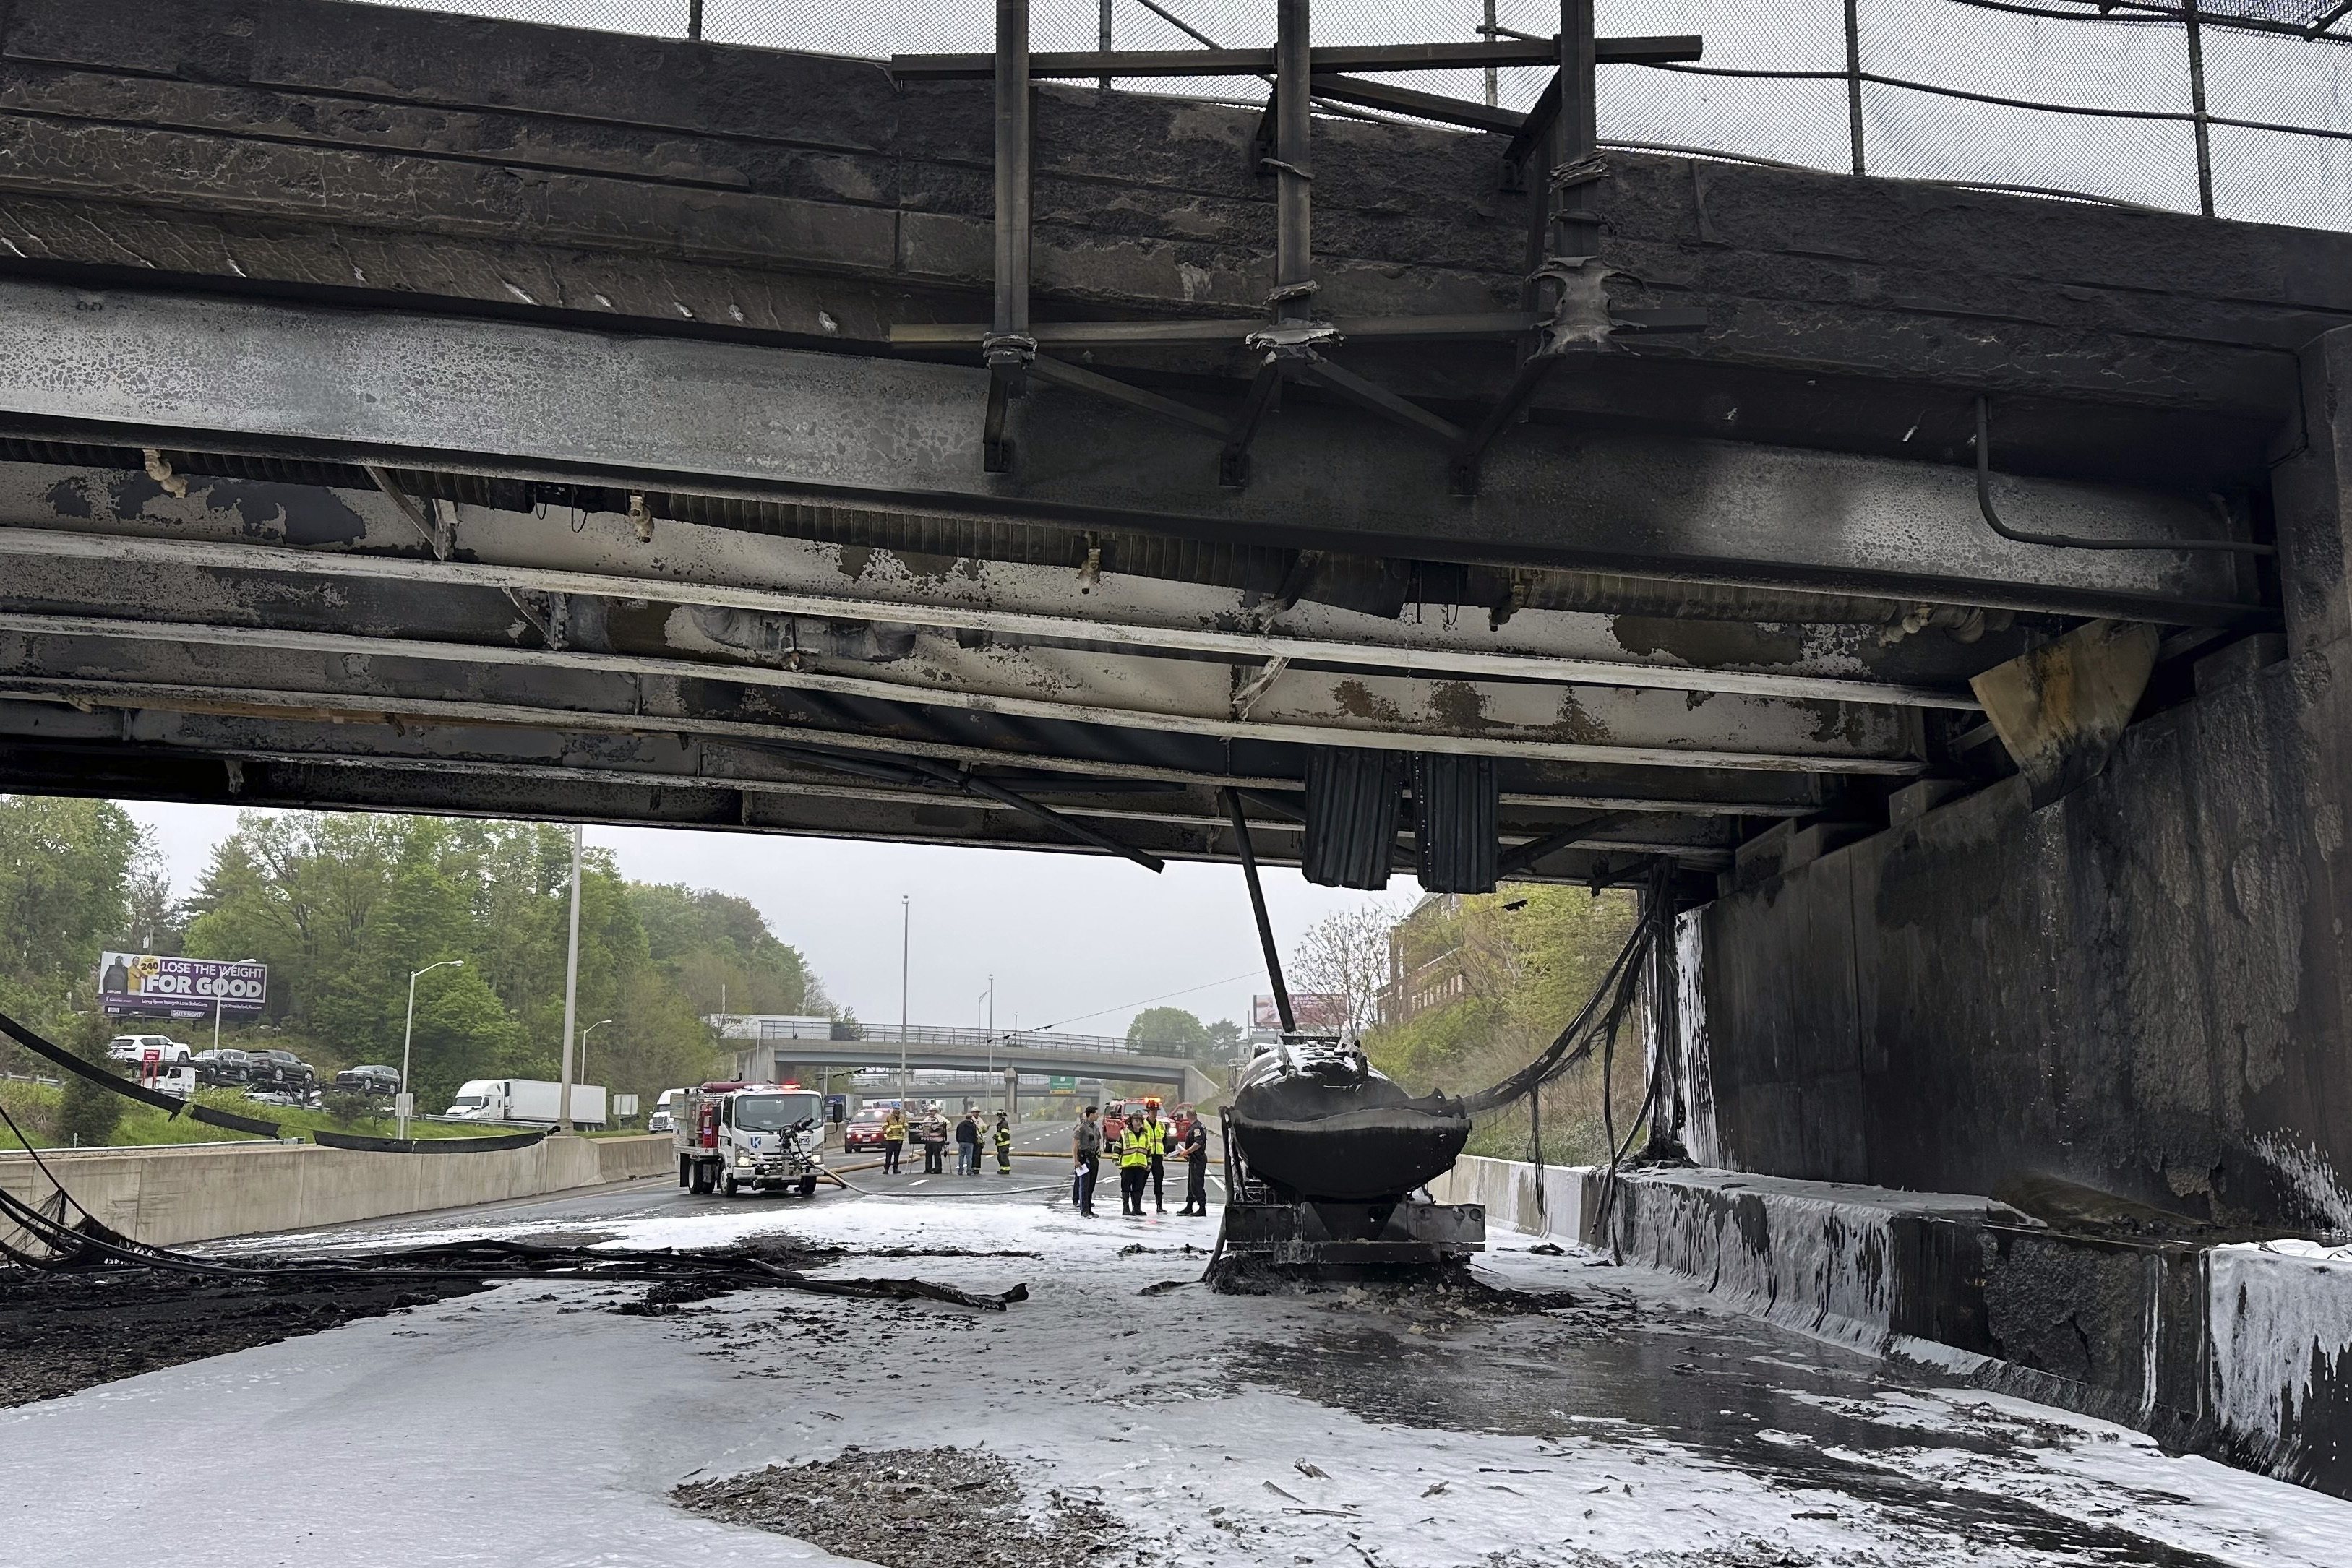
column 525, row 1099
column 759, row 1137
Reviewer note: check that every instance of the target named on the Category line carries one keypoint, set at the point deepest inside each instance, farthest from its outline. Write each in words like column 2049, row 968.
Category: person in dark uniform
column 1192, row 1139
column 1086, row 1149
column 1003, row 1137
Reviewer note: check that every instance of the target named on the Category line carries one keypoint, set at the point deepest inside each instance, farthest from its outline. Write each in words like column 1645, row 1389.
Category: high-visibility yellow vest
column 1135, row 1148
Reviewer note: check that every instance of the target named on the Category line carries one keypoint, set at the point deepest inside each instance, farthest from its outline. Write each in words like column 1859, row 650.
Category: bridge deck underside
column 691, row 544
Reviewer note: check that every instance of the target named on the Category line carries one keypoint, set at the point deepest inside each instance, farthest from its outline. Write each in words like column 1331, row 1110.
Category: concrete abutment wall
column 167, row 1195
column 2241, row 1350
column 2141, row 987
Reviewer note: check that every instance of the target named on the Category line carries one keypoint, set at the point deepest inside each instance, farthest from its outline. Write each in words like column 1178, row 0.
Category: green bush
column 346, row 1107
column 90, row 1110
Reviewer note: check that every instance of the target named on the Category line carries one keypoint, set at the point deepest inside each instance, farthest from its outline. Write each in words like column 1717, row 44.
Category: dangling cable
column 1575, row 1042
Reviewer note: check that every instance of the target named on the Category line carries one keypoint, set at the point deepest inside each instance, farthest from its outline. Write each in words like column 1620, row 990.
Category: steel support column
column 1009, row 348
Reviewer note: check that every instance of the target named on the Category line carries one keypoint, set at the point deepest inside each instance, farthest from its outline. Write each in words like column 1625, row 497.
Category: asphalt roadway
column 1630, row 1420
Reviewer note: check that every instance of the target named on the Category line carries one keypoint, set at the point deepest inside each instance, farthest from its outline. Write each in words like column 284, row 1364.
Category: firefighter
column 1163, row 1139
column 894, row 1138
column 1135, row 1146
column 1003, row 1137
column 935, row 1141
column 1193, row 1140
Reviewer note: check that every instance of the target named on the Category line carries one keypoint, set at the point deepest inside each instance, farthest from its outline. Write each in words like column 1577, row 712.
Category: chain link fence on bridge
column 2237, row 109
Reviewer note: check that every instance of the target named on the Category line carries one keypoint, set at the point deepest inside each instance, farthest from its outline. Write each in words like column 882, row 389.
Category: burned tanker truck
column 1327, row 1165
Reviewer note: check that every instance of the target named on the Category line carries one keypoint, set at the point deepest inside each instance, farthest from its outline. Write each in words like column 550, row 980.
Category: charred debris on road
column 93, row 1318
column 912, row 1508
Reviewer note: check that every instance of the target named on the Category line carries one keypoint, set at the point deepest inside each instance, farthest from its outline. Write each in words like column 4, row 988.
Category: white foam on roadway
column 522, row 1426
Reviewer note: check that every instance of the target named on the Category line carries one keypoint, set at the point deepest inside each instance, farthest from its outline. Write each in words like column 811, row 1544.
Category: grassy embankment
column 1525, row 973
column 35, row 1108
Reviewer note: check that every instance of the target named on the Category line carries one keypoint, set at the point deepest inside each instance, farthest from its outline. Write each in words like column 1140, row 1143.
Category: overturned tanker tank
column 1314, row 1120
column 1326, row 1158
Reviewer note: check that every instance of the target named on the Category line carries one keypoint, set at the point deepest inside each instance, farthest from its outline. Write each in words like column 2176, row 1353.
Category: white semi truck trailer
column 525, row 1099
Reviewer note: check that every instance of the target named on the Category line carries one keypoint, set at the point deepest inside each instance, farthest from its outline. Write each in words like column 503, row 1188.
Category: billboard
column 1317, row 1012
column 179, row 988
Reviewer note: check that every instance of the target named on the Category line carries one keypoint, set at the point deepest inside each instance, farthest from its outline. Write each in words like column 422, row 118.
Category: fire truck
column 733, row 1137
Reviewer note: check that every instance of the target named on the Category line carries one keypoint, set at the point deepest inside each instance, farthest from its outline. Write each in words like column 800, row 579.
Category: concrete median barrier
column 174, row 1194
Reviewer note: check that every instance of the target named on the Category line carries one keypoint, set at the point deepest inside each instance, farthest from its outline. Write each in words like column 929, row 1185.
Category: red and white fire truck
column 731, row 1138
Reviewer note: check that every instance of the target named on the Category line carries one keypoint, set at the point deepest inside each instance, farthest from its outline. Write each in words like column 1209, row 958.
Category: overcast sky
column 2129, row 64
column 1071, row 939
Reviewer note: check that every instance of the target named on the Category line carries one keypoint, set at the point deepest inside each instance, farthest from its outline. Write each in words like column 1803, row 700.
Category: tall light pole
column 990, row 1035
column 217, row 1021
column 906, row 958
column 584, row 1033
column 408, row 1031
column 571, row 991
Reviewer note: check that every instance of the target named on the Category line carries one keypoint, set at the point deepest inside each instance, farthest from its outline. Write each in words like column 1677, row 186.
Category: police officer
column 1135, row 1146
column 1192, row 1138
column 1003, row 1136
column 1086, row 1151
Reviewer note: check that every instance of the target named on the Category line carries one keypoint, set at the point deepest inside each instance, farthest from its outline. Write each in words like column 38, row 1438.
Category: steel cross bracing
column 1565, row 309
column 705, row 678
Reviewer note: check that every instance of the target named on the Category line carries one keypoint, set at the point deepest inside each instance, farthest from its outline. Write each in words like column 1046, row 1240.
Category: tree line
column 344, row 908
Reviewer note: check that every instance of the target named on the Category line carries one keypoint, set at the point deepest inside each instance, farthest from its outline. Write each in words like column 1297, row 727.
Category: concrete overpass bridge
column 924, row 1048
column 414, row 412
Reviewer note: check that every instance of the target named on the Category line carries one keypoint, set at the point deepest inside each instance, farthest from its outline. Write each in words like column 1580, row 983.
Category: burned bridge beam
column 145, row 368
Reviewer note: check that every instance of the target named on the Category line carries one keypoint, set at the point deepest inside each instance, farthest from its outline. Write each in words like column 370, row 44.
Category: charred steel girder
column 1567, row 311
column 476, row 397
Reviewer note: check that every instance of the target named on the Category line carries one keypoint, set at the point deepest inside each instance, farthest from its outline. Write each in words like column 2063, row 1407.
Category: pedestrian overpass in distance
column 776, row 1047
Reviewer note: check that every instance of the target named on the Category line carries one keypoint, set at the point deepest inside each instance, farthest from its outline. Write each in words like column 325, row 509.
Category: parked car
column 284, row 1070
column 369, row 1079
column 135, row 1047
column 223, row 1067
column 863, row 1131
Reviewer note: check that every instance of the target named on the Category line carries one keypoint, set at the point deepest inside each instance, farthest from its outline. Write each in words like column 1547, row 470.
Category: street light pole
column 906, row 960
column 571, row 991
column 217, row 1000
column 584, row 1033
column 408, row 1033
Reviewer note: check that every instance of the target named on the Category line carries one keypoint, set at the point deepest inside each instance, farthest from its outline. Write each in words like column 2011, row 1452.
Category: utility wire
column 1081, row 1017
